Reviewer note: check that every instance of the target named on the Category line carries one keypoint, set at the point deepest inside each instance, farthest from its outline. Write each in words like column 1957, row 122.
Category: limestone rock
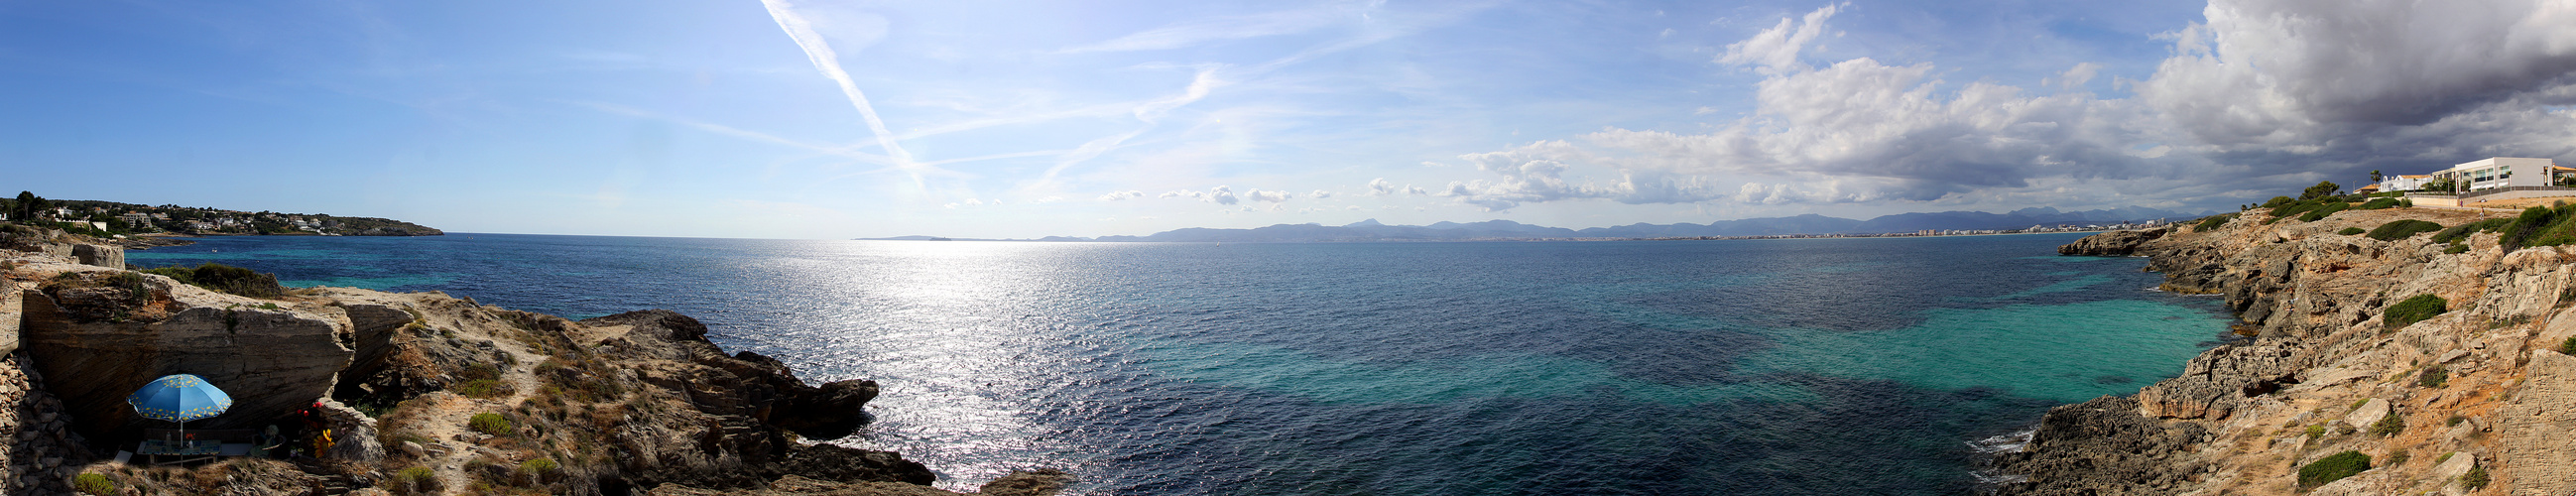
column 100, row 255
column 12, row 311
column 2104, row 447
column 2369, row 413
column 2214, row 383
column 272, row 362
column 2114, row 243
column 2536, row 423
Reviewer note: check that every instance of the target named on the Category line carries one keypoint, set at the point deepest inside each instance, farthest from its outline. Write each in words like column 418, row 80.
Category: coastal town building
column 2497, row 178
column 2502, row 172
column 2406, row 182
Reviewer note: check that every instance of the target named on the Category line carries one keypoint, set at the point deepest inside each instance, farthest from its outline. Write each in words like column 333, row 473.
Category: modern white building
column 2408, row 182
column 2502, row 172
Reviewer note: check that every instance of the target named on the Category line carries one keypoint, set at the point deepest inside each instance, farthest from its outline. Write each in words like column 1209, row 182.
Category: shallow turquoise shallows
column 1834, row 366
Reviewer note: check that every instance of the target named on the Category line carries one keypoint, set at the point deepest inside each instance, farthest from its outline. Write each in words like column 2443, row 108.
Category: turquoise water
column 1836, row 366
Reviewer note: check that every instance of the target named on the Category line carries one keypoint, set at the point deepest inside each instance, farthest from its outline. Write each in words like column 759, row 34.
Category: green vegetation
column 2332, row 468
column 2456, row 249
column 2348, row 231
column 2476, row 478
column 2402, row 229
column 93, row 484
column 2321, row 190
column 2568, row 347
column 2432, row 377
column 2378, row 203
column 414, row 480
column 2416, row 309
column 2445, row 456
column 225, row 279
column 2212, row 222
column 2387, row 426
column 484, row 389
column 537, row 469
column 489, row 423
column 2462, row 231
column 2396, row 458
column 2317, row 430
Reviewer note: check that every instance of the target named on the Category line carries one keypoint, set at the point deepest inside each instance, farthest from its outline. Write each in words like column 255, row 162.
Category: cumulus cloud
column 2266, row 94
column 1776, row 49
column 1320, row 194
column 1122, row 195
column 1220, row 195
column 1380, row 187
column 2346, row 80
column 1256, row 194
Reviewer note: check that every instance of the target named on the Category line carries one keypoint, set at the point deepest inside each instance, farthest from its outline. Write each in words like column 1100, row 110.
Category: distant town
column 112, row 219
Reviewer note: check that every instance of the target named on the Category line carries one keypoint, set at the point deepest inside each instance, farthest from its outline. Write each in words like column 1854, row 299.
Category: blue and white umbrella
column 179, row 398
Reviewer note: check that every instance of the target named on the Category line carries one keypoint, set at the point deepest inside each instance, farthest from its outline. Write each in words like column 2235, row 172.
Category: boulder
column 2102, row 447
column 2371, row 412
column 100, row 255
column 271, row 361
column 2215, row 382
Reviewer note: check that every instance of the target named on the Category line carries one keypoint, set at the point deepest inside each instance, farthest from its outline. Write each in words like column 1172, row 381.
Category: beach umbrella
column 179, row 398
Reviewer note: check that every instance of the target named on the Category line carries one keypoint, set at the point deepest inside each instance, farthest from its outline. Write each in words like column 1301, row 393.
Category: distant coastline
column 2025, row 221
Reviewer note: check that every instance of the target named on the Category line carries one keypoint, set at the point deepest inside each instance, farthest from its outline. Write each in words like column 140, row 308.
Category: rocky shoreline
column 409, row 393
column 2474, row 398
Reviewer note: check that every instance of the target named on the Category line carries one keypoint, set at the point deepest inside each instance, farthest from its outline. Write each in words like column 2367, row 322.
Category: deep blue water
column 1827, row 366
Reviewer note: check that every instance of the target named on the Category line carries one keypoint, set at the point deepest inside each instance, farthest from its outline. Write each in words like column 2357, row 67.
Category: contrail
column 821, row 54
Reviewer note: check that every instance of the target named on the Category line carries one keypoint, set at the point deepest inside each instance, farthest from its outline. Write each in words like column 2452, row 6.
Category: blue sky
column 1024, row 119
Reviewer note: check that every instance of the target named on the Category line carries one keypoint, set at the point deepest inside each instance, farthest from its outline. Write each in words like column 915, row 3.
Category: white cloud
column 1320, row 194
column 1257, row 194
column 1776, row 49
column 1191, row 33
column 1220, row 195
column 2076, row 77
column 2346, row 81
column 1122, row 195
column 1380, row 187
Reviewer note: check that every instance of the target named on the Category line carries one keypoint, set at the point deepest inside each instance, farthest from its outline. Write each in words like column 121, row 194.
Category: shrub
column 2348, row 231
column 2445, row 456
column 479, row 371
column 2396, row 458
column 2568, row 347
column 2454, row 421
column 225, row 279
column 2317, row 430
column 2416, row 309
column 2456, row 249
column 2321, row 211
column 2403, row 229
column 2333, row 468
column 2321, row 190
column 2212, row 222
column 536, row 470
column 2391, row 425
column 489, row 423
column 2462, row 231
column 484, row 389
column 2378, row 203
column 93, row 484
column 2475, row 479
column 414, row 480
column 2433, row 377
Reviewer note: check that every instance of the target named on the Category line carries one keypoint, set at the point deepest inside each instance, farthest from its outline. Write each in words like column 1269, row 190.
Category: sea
column 1755, row 367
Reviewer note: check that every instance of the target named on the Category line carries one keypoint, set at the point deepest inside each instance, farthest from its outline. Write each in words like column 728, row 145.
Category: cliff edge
column 407, row 393
column 2433, row 358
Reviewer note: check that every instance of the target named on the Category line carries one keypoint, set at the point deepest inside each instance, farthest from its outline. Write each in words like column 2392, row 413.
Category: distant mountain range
column 1372, row 230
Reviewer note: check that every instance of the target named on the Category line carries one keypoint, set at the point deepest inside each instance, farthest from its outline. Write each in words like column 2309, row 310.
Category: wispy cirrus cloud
column 819, row 51
column 1194, row 32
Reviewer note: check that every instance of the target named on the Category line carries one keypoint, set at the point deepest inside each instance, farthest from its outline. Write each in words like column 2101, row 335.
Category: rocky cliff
column 418, row 393
column 2470, row 395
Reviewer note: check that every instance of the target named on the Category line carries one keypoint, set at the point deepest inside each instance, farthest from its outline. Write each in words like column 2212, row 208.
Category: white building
column 2409, row 182
column 2502, row 172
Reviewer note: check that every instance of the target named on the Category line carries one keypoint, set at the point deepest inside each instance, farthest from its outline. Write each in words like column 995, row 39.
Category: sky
column 833, row 120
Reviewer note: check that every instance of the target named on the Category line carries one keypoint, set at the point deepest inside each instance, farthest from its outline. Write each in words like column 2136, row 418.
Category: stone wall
column 42, row 452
